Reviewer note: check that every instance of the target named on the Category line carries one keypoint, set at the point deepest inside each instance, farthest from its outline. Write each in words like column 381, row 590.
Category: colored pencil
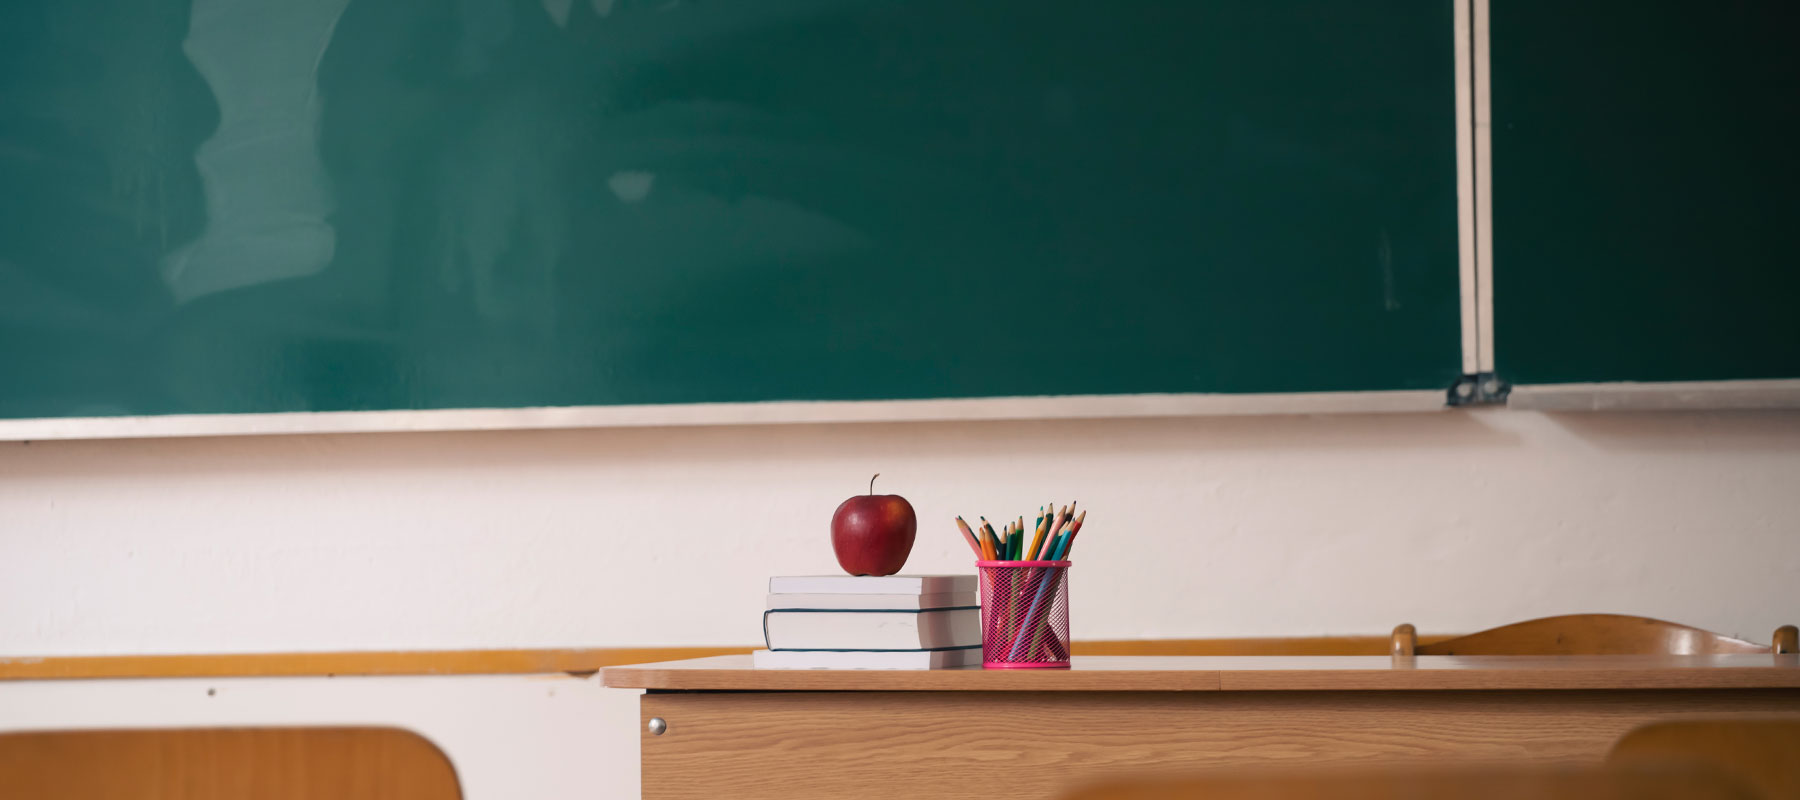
column 1043, row 548
column 1052, row 551
column 1062, row 516
column 968, row 536
column 1068, row 545
column 1037, row 539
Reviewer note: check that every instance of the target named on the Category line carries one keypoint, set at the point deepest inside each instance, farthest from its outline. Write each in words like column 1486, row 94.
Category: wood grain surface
column 225, row 764
column 1244, row 673
column 944, row 745
column 1638, row 782
column 578, row 660
column 401, row 662
column 1761, row 753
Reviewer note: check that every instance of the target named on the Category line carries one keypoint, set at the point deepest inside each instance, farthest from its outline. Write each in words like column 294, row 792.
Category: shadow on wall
column 1686, row 432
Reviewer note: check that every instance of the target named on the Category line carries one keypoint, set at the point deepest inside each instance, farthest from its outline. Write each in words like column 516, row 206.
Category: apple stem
column 872, row 483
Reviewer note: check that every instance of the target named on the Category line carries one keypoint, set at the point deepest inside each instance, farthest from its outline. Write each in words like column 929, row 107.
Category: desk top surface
column 1243, row 673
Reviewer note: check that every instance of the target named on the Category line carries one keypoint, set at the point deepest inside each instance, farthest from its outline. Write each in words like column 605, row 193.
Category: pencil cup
column 1024, row 614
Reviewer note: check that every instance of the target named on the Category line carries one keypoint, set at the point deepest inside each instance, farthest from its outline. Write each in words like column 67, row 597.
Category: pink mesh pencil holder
column 1024, row 614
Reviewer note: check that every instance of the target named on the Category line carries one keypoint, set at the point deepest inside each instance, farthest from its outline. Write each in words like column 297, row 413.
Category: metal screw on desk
column 657, row 726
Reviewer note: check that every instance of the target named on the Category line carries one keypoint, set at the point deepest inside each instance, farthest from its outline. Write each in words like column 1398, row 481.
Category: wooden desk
column 734, row 731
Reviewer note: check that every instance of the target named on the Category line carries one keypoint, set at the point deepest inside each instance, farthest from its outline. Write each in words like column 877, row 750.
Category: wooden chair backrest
column 1631, row 782
column 1590, row 635
column 1763, row 754
column 226, row 764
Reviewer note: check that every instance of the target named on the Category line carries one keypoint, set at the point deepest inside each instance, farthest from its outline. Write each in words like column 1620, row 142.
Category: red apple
column 873, row 534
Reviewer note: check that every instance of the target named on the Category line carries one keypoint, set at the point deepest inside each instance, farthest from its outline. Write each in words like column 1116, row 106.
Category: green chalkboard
column 1644, row 190
column 217, row 206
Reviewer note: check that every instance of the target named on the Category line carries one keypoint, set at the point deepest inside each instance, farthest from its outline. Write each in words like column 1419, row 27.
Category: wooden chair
column 1763, row 754
column 226, row 764
column 1591, row 635
column 1625, row 782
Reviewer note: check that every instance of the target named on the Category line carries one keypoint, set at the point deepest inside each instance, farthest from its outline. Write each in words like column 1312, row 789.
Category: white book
column 894, row 602
column 866, row 659
column 865, row 584
column 932, row 629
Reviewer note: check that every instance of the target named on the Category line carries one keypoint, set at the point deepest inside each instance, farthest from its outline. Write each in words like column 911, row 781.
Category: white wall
column 1199, row 527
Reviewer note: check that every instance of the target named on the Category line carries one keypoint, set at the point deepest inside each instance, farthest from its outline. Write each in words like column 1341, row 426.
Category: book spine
column 770, row 645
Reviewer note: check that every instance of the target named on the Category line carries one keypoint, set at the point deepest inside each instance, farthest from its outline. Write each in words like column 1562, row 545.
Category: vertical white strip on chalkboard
column 1484, row 191
column 1463, row 30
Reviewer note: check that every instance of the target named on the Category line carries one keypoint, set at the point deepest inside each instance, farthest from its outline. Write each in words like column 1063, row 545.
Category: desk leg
column 987, row 745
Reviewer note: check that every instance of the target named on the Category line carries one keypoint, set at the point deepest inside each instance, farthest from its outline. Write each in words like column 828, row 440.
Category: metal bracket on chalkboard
column 1479, row 389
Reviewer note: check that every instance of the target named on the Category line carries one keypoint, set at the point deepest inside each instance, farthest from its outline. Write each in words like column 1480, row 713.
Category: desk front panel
column 987, row 745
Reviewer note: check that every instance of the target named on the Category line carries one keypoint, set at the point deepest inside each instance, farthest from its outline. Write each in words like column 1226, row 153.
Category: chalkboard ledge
column 781, row 412
column 1657, row 396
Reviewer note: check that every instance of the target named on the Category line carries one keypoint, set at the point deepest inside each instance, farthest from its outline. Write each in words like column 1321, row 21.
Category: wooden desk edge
column 1512, row 680
column 732, row 673
column 661, row 677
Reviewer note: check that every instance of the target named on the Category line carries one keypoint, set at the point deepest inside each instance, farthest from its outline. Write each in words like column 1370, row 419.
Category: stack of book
column 890, row 622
